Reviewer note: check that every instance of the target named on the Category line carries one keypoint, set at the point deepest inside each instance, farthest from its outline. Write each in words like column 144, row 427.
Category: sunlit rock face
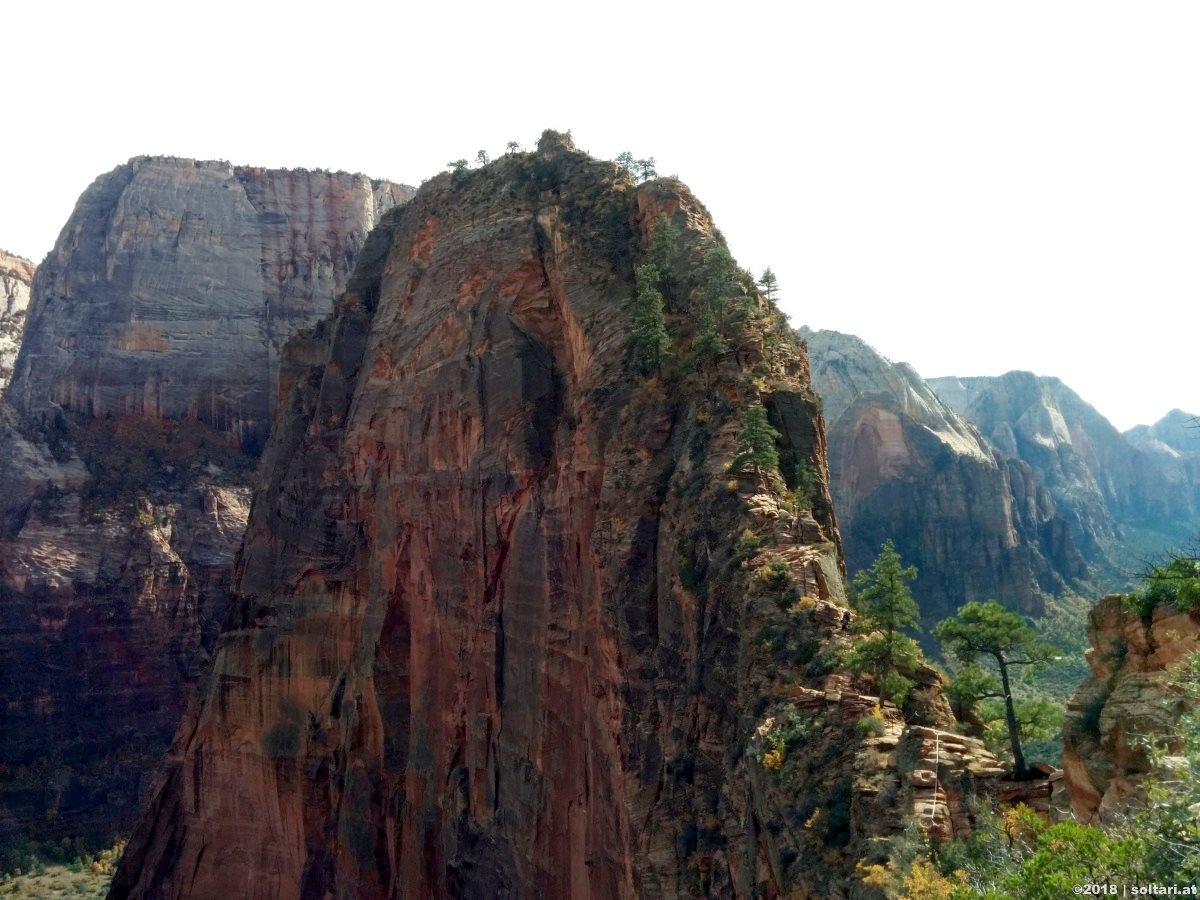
column 905, row 466
column 146, row 383
column 174, row 284
column 1124, row 707
column 1110, row 490
column 16, row 276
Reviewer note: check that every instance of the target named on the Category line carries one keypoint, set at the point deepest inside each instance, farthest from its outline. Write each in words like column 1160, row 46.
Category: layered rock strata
column 905, row 466
column 16, row 276
column 505, row 623
column 145, row 384
column 1124, row 706
column 175, row 283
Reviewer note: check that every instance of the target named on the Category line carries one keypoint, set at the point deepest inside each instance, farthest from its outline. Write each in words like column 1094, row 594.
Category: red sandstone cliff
column 1123, row 706
column 500, row 626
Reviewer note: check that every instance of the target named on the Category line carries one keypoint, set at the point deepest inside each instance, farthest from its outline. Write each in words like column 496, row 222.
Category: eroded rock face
column 905, row 466
column 175, row 282
column 1125, row 702
column 1100, row 481
column 147, row 377
column 16, row 275
column 499, row 627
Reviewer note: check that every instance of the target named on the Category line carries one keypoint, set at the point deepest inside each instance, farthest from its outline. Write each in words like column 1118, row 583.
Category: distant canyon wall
column 16, row 277
column 1009, row 487
column 906, row 466
column 174, row 284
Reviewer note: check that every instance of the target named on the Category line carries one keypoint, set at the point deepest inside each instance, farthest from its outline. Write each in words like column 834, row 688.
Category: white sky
column 969, row 187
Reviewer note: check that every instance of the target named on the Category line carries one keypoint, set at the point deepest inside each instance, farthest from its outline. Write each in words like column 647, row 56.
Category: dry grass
column 57, row 883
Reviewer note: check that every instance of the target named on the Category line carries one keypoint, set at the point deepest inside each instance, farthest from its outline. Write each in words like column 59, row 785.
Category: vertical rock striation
column 499, row 625
column 1108, row 489
column 16, row 275
column 907, row 467
column 1124, row 704
column 175, row 282
column 144, row 388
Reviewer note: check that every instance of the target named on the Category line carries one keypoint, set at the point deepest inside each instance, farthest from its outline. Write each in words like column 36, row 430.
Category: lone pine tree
column 756, row 445
column 990, row 632
column 649, row 341
column 885, row 605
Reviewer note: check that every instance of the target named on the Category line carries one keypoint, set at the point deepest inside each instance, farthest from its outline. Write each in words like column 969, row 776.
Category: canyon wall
column 16, row 276
column 175, row 282
column 144, row 387
column 905, row 466
column 1119, row 499
column 509, row 621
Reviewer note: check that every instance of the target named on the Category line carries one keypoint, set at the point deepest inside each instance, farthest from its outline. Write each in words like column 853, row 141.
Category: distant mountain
column 1176, row 434
column 904, row 465
column 1122, row 495
column 1011, row 487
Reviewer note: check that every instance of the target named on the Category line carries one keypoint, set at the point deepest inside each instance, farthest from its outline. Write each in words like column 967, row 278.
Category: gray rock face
column 174, row 283
column 1175, row 435
column 1103, row 484
column 145, row 384
column 905, row 466
column 16, row 275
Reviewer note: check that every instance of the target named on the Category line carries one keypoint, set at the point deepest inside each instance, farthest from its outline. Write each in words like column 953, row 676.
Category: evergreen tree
column 884, row 603
column 482, row 158
column 644, row 169
column 989, row 631
column 709, row 345
column 459, row 165
column 625, row 161
column 717, row 270
column 649, row 341
column 663, row 237
column 727, row 287
column 512, row 147
column 769, row 284
column 756, row 445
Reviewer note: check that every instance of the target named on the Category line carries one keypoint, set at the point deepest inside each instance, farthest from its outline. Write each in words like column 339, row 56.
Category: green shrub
column 747, row 546
column 872, row 724
column 1177, row 585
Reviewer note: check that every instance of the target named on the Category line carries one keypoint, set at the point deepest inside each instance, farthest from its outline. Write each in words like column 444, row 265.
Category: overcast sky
column 969, row 187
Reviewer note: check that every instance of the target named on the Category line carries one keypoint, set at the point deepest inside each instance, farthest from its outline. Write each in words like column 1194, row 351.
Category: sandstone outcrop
column 907, row 467
column 175, row 283
column 16, row 275
column 145, row 384
column 1125, row 703
column 504, row 621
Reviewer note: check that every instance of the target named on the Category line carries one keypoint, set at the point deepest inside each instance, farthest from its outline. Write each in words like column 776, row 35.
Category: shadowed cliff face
column 16, row 275
column 174, row 284
column 905, row 466
column 146, row 381
column 496, row 630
